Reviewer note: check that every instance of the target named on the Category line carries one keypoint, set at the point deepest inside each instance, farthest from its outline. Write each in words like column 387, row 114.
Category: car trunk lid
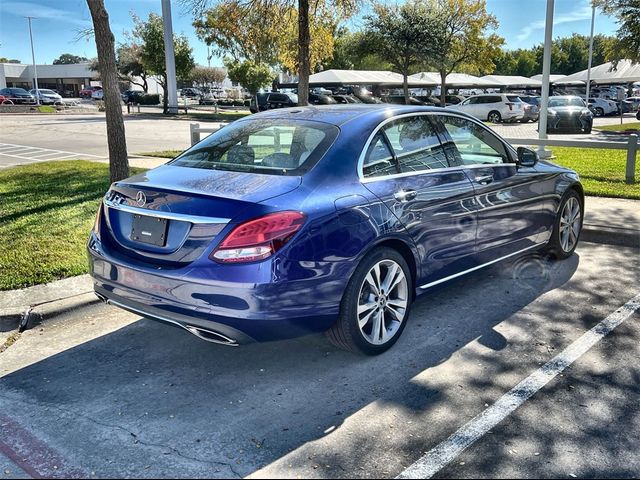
column 169, row 215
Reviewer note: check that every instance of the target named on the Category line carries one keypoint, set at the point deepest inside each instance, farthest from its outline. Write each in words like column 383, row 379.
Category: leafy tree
column 402, row 35
column 252, row 75
column 627, row 42
column 321, row 27
column 68, row 59
column 208, row 75
column 130, row 65
column 460, row 40
column 241, row 33
column 7, row 60
column 116, row 140
column 270, row 13
column 149, row 34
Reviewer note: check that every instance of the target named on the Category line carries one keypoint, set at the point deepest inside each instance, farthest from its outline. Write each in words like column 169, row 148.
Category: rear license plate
column 151, row 230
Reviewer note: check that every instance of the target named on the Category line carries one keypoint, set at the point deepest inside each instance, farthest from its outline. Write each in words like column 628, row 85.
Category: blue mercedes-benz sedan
column 326, row 218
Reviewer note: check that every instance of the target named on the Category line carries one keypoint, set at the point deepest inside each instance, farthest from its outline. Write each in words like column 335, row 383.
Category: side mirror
column 527, row 157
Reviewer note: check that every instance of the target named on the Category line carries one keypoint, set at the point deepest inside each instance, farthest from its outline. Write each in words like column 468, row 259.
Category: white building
column 67, row 79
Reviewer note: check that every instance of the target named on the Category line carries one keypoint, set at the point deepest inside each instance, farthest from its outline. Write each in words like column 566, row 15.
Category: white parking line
column 8, row 149
column 444, row 453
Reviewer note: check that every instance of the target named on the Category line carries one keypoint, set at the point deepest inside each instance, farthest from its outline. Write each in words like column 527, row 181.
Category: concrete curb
column 26, row 307
column 622, row 237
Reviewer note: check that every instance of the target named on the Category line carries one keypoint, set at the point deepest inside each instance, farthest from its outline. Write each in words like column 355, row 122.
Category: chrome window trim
column 363, row 153
column 168, row 215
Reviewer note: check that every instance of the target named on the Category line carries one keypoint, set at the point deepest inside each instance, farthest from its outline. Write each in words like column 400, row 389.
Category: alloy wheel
column 494, row 117
column 382, row 302
column 570, row 223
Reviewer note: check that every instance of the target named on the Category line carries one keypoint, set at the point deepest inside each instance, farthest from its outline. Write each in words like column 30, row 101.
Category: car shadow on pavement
column 152, row 400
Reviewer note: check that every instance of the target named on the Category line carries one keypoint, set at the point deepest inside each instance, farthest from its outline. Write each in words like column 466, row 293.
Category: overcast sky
column 58, row 22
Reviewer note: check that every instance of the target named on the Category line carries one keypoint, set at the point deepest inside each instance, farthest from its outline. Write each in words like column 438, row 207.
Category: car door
column 406, row 167
column 470, row 106
column 508, row 198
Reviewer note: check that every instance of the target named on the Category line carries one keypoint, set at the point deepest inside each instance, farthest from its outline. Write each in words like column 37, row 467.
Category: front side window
column 467, row 143
column 416, row 144
column 278, row 147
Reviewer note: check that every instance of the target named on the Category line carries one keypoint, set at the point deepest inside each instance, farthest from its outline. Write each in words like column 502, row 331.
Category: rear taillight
column 259, row 238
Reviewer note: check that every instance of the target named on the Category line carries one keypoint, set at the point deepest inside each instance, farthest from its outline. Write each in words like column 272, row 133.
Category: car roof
column 340, row 114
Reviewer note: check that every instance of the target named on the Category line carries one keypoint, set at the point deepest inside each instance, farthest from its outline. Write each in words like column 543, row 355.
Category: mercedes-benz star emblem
column 141, row 199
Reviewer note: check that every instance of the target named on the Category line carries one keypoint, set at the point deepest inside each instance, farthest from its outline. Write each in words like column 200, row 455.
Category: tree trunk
column 443, row 89
column 165, row 97
column 405, row 87
column 118, row 160
column 304, row 39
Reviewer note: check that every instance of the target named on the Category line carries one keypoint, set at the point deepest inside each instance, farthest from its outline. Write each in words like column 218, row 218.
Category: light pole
column 33, row 59
column 593, row 20
column 546, row 73
column 169, row 58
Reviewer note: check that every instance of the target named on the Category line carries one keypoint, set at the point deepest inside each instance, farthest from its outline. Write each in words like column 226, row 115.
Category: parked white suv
column 494, row 107
column 602, row 106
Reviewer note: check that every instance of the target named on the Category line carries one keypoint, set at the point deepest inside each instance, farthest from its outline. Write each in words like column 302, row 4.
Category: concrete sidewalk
column 608, row 221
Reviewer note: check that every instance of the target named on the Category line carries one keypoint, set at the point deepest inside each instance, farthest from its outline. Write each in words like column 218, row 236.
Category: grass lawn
column 46, row 212
column 601, row 171
column 162, row 153
column 205, row 116
column 633, row 127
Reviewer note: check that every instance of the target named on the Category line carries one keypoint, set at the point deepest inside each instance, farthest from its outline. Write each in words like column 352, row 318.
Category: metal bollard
column 195, row 133
column 632, row 150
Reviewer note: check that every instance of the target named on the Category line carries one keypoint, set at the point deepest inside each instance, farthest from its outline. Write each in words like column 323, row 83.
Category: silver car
column 46, row 96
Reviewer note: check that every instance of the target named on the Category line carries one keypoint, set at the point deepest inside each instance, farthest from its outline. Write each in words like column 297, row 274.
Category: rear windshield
column 276, row 147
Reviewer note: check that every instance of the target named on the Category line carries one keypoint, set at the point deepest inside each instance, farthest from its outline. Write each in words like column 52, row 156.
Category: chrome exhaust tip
column 210, row 336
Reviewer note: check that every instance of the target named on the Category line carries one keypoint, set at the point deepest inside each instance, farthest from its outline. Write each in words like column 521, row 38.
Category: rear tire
column 598, row 112
column 371, row 319
column 494, row 117
column 567, row 226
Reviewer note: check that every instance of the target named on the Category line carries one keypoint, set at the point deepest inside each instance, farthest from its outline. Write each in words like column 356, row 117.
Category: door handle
column 484, row 179
column 405, row 195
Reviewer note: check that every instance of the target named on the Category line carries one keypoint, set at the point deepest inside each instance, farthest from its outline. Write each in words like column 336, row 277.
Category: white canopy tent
column 626, row 72
column 355, row 77
column 552, row 78
column 454, row 80
column 512, row 81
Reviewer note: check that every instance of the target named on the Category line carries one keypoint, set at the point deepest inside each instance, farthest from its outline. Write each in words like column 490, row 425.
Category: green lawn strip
column 161, row 154
column 633, row 127
column 602, row 171
column 46, row 212
column 221, row 116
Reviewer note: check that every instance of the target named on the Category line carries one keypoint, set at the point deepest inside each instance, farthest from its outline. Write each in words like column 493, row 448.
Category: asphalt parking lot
column 34, row 138
column 101, row 393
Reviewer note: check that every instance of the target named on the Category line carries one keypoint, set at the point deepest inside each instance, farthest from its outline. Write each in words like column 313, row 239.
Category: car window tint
column 378, row 160
column 416, row 144
column 471, row 144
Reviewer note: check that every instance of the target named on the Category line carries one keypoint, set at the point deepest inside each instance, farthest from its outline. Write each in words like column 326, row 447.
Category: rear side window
column 513, row 98
column 276, row 147
column 416, row 144
column 379, row 160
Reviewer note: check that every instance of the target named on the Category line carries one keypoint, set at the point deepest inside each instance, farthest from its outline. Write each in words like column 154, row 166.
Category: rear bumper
column 269, row 300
